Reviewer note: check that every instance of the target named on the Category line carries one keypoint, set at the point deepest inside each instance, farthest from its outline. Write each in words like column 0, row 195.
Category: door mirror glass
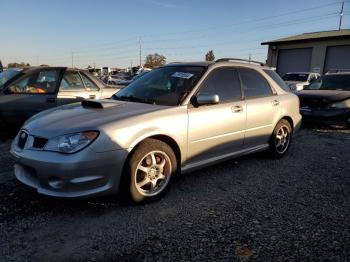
column 207, row 99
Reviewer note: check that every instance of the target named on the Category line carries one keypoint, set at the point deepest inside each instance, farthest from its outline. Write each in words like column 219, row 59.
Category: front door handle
column 275, row 102
column 236, row 109
column 92, row 96
column 50, row 100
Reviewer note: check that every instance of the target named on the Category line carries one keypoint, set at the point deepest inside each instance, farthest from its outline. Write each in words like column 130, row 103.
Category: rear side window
column 277, row 79
column 88, row 83
column 254, row 84
column 223, row 82
column 71, row 81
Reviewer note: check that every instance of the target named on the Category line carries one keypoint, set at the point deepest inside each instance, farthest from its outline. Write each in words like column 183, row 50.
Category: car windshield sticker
column 182, row 75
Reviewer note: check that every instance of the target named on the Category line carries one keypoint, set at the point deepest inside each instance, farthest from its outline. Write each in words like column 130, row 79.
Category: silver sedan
column 175, row 119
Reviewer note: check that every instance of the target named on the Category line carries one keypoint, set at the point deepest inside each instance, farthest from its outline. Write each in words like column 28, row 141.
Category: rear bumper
column 82, row 174
column 327, row 116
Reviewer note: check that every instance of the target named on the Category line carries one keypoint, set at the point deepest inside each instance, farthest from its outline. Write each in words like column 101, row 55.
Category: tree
column 210, row 56
column 155, row 60
column 18, row 65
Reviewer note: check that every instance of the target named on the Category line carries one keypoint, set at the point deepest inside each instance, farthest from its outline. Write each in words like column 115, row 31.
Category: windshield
column 331, row 82
column 5, row 76
column 139, row 75
column 295, row 77
column 163, row 86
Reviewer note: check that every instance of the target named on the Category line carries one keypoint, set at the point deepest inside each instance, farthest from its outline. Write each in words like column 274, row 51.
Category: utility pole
column 250, row 58
column 140, row 43
column 37, row 60
column 341, row 14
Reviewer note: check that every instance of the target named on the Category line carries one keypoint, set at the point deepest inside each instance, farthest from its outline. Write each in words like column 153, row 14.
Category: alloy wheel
column 153, row 173
column 282, row 139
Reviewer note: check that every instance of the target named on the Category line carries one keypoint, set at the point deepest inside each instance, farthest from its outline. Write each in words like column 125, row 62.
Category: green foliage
column 210, row 56
column 18, row 65
column 155, row 60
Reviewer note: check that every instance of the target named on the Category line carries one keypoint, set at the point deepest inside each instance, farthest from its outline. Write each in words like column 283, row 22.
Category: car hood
column 329, row 95
column 76, row 117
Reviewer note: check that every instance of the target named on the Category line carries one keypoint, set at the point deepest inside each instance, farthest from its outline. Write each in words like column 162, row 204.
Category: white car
column 297, row 80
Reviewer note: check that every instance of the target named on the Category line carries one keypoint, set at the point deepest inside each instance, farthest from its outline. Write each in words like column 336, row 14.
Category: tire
column 151, row 170
column 281, row 139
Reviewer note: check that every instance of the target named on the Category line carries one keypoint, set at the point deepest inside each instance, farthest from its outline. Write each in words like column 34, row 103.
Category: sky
column 108, row 33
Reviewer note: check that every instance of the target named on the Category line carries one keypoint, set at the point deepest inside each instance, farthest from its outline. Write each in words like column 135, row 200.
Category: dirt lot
column 252, row 208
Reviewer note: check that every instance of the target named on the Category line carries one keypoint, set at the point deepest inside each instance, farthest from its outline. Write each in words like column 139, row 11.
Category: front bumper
column 326, row 116
column 81, row 174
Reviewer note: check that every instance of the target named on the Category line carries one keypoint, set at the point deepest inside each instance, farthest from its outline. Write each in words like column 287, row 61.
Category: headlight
column 342, row 104
column 71, row 143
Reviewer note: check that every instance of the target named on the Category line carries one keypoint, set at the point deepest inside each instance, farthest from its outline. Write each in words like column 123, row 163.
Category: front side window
column 71, row 81
column 88, row 83
column 254, row 84
column 43, row 82
column 167, row 85
column 223, row 82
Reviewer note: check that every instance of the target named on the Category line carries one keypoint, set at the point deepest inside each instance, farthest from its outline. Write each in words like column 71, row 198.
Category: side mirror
column 207, row 99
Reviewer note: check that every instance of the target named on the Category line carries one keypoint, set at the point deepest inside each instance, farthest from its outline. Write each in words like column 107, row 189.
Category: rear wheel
column 151, row 169
column 281, row 139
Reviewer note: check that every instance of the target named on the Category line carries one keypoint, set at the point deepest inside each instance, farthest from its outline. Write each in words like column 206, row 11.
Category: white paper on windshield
column 182, row 75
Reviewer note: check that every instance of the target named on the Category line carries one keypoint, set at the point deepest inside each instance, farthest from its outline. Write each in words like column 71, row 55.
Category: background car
column 125, row 82
column 25, row 92
column 297, row 80
column 327, row 100
column 179, row 117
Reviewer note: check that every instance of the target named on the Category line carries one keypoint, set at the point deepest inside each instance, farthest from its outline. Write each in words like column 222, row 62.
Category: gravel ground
column 249, row 209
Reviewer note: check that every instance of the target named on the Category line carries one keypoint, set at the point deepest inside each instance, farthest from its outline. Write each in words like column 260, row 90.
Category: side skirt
column 207, row 162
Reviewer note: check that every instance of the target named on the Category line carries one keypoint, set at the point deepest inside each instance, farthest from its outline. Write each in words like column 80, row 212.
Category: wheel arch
column 161, row 137
column 290, row 121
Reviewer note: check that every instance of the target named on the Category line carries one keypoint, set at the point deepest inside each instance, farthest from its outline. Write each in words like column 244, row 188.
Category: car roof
column 204, row 63
column 211, row 63
column 338, row 73
column 305, row 73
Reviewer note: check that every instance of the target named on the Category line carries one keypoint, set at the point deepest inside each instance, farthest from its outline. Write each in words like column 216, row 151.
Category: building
column 317, row 52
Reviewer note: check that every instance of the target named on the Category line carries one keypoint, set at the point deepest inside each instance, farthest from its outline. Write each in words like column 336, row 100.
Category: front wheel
column 281, row 139
column 151, row 169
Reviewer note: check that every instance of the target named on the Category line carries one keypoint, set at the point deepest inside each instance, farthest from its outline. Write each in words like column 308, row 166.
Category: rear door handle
column 236, row 109
column 275, row 102
column 50, row 100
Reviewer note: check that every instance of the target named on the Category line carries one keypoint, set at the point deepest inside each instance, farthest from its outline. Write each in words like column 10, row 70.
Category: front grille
column 23, row 136
column 39, row 142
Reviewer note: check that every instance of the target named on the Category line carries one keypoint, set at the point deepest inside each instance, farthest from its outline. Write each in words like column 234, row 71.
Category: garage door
column 294, row 60
column 338, row 57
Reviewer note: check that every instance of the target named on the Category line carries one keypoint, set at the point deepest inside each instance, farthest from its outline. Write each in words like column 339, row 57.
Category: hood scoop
column 99, row 104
